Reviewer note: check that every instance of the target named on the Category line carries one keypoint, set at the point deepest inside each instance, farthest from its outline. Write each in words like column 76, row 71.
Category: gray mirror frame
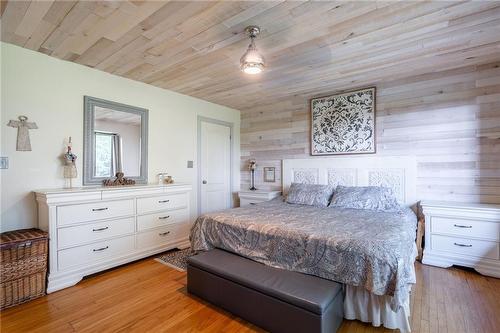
column 89, row 140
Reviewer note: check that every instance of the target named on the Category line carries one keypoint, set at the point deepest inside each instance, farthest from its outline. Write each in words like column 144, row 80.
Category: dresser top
column 460, row 205
column 107, row 188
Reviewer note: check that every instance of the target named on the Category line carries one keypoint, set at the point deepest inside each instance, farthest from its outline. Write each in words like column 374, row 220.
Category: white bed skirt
column 362, row 305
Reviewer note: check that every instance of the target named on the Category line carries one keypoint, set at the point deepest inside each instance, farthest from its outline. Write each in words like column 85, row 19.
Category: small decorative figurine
column 119, row 181
column 169, row 180
column 23, row 135
column 70, row 170
column 252, row 166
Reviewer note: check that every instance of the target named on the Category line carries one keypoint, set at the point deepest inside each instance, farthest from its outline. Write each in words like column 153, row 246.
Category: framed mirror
column 115, row 140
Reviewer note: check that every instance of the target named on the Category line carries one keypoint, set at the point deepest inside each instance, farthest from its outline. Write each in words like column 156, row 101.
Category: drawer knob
column 99, row 209
column 462, row 226
column 163, row 201
column 100, row 229
column 164, row 217
column 101, row 249
column 463, row 245
column 164, row 233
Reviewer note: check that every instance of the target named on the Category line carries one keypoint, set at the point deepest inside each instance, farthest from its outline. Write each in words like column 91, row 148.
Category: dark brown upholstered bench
column 274, row 299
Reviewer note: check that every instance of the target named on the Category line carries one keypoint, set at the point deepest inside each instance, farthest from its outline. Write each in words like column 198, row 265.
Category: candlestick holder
column 252, row 166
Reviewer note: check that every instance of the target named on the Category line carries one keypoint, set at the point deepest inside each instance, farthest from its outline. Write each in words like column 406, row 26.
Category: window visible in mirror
column 103, row 154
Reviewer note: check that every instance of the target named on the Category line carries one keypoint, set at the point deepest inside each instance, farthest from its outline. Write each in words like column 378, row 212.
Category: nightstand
column 253, row 197
column 462, row 234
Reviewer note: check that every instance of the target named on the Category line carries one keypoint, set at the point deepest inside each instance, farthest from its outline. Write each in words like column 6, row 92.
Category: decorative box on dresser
column 462, row 234
column 93, row 229
column 250, row 197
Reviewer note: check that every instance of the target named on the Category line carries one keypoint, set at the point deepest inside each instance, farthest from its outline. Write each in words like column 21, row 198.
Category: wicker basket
column 23, row 267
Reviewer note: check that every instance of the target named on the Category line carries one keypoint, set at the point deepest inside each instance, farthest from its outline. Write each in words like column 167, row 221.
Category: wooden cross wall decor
column 23, row 135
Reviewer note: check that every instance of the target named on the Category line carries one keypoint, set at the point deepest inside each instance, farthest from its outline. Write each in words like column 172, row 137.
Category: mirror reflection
column 117, row 143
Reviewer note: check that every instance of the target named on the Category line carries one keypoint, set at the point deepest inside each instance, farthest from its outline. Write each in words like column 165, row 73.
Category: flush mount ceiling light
column 252, row 62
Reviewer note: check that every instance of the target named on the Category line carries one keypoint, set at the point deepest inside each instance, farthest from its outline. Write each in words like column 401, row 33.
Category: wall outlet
column 4, row 162
column 190, row 164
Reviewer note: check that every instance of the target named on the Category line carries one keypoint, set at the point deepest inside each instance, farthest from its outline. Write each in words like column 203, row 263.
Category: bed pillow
column 310, row 194
column 365, row 197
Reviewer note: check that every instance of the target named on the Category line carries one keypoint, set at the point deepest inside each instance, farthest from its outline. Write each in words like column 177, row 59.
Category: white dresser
column 253, row 197
column 462, row 234
column 93, row 229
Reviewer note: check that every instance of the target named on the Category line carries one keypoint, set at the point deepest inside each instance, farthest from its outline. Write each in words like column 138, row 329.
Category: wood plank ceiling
column 193, row 47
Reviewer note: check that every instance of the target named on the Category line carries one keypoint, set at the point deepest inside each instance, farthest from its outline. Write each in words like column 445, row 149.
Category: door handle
column 164, row 217
column 163, row 233
column 100, row 229
column 204, row 182
column 101, row 249
column 99, row 209
column 163, row 201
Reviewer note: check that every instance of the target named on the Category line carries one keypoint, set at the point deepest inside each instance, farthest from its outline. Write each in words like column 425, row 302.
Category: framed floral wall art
column 343, row 123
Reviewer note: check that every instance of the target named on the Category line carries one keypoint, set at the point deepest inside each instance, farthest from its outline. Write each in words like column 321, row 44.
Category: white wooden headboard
column 398, row 173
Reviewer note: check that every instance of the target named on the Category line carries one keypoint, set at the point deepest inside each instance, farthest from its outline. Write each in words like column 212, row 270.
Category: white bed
column 371, row 253
column 398, row 173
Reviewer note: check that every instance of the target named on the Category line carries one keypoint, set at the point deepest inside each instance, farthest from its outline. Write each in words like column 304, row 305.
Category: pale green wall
column 50, row 92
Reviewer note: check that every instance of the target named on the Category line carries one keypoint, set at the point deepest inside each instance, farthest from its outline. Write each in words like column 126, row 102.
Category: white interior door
column 215, row 167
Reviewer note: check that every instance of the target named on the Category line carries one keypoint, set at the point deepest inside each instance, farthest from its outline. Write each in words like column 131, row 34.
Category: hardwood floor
column 148, row 296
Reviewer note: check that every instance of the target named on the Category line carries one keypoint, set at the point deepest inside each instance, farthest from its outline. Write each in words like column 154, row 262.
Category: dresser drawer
column 464, row 246
column 94, row 211
column 89, row 254
column 87, row 233
column 465, row 228
column 154, row 204
column 155, row 220
column 164, row 235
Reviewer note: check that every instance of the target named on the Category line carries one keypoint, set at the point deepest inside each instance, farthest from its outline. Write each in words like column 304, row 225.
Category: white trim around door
column 202, row 119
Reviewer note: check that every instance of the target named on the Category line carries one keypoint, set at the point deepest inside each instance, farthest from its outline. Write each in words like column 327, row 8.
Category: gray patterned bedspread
column 375, row 250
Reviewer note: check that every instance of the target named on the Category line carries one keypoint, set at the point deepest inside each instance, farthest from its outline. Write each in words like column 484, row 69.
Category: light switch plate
column 190, row 164
column 4, row 162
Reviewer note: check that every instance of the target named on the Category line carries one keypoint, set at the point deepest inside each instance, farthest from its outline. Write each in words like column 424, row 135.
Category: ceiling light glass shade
column 252, row 62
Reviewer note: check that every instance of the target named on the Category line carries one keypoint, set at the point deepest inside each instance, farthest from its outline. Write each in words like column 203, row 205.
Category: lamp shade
column 252, row 62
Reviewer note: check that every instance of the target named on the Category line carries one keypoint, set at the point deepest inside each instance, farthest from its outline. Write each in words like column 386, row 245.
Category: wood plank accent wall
column 449, row 119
